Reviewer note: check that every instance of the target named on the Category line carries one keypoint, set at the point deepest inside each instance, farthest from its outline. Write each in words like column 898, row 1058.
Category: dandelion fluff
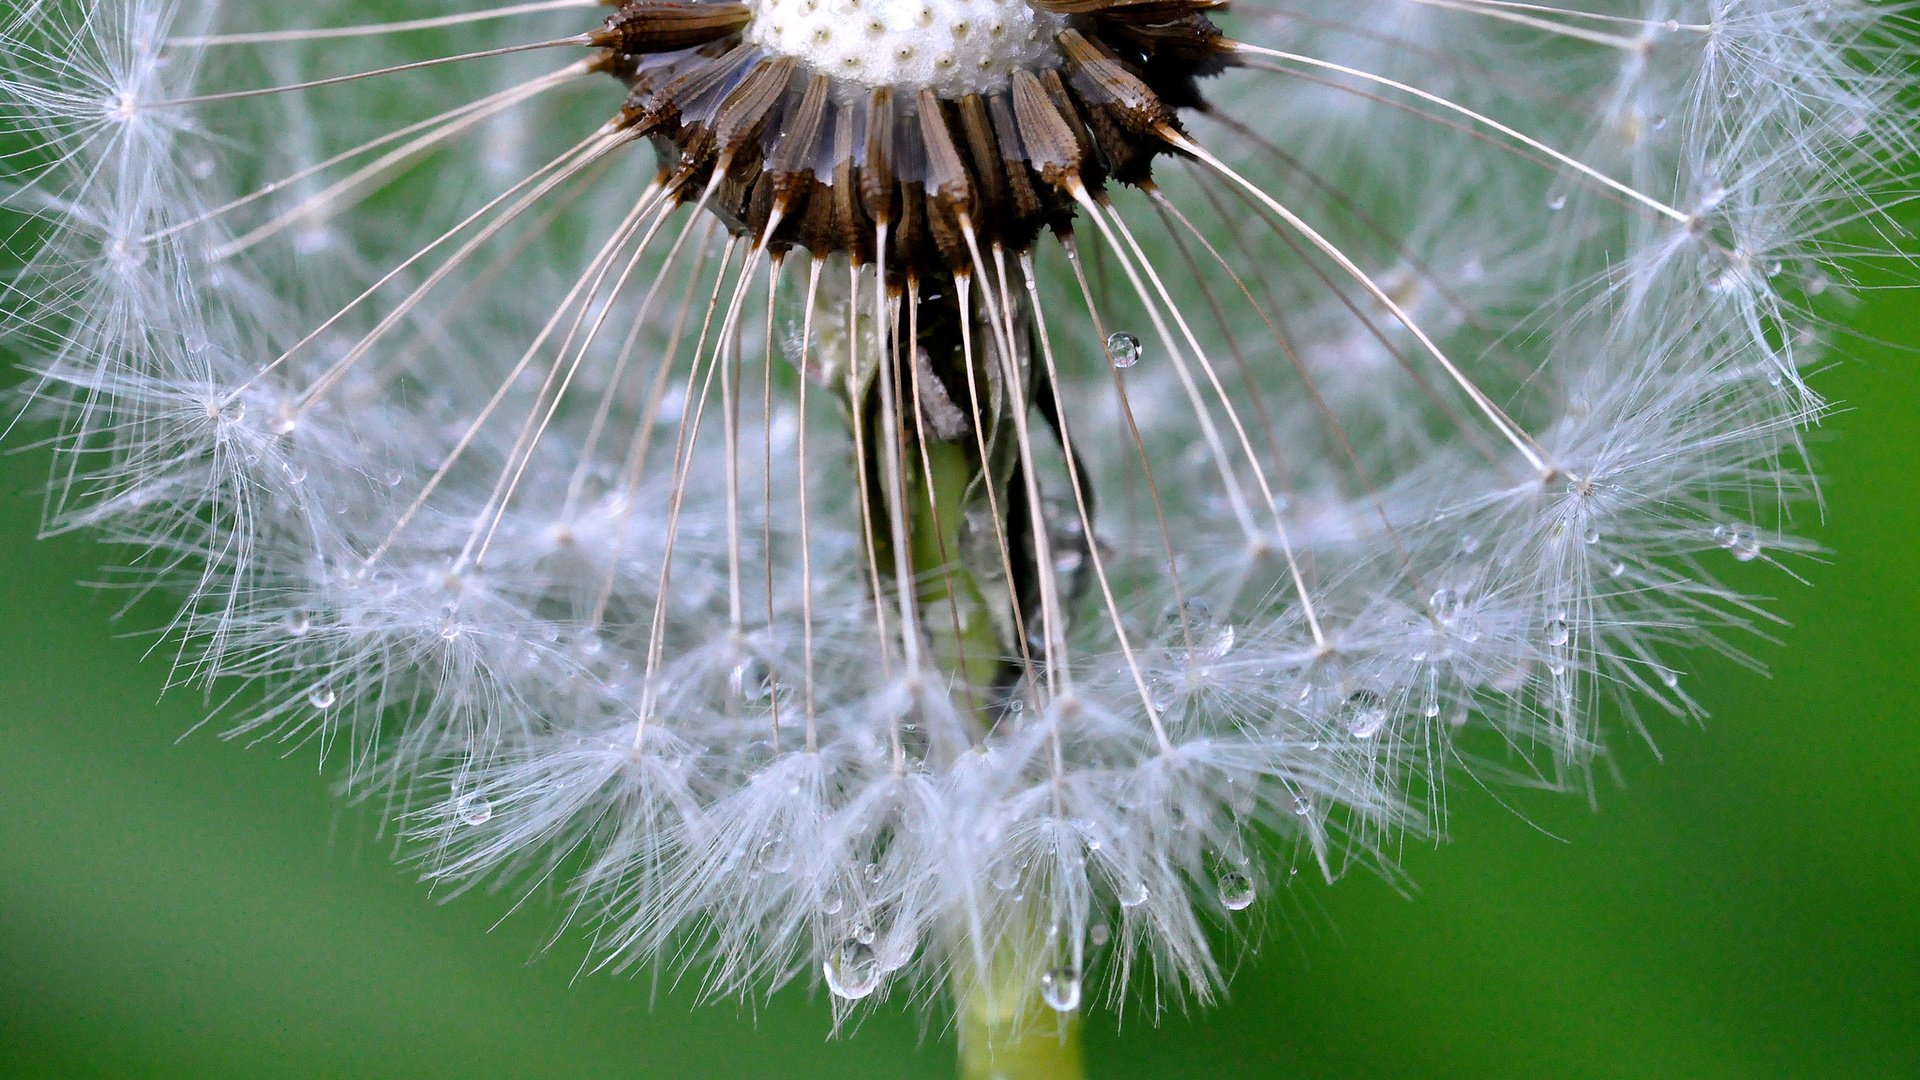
column 957, row 507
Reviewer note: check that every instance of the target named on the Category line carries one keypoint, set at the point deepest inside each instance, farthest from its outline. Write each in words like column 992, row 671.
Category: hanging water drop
column 1131, row 894
column 1123, row 349
column 1558, row 633
column 852, row 971
column 1366, row 714
column 775, row 856
column 298, row 623
column 1060, row 989
column 322, row 696
column 474, row 809
column 1236, row 891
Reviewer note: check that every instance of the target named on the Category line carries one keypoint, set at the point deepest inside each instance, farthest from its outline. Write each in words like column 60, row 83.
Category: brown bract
column 791, row 157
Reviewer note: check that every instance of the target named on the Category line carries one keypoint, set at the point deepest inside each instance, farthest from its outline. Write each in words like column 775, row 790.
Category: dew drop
column 852, row 971
column 1302, row 806
column 1098, row 934
column 1366, row 714
column 1189, row 621
column 1060, row 989
column 1591, row 536
column 751, row 680
column 1618, row 569
column 1557, row 202
column 474, row 809
column 1557, row 632
column 1005, row 874
column 298, row 623
column 322, row 696
column 1445, row 604
column 775, row 857
column 1132, row 894
column 1236, row 891
column 832, row 902
column 1742, row 542
column 1123, row 349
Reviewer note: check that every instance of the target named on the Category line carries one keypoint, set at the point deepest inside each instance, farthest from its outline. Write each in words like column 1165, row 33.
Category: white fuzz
column 1400, row 429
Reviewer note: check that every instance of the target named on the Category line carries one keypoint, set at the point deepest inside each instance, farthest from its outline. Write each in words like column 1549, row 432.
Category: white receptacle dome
column 954, row 47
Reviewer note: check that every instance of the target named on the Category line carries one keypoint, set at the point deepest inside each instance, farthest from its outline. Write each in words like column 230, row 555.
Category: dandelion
column 939, row 497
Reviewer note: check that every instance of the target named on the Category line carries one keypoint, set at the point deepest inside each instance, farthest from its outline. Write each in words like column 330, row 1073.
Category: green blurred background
column 1745, row 905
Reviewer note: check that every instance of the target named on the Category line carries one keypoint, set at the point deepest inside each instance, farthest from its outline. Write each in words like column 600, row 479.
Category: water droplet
column 832, row 902
column 1098, row 934
column 1005, row 874
column 1236, row 891
column 1302, row 806
column 322, row 696
column 1060, row 989
column 852, row 971
column 1558, row 633
column 450, row 628
column 1617, row 569
column 1445, row 604
column 474, row 809
column 1366, row 714
column 1740, row 540
column 298, row 623
column 752, row 680
column 1558, row 201
column 1123, row 349
column 1190, row 626
column 1592, row 535
column 775, row 857
column 1132, row 894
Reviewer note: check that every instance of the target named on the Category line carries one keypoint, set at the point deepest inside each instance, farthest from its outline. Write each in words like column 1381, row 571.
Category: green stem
column 1008, row 1033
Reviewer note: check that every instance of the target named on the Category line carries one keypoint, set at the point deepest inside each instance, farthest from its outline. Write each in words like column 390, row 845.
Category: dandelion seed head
column 884, row 487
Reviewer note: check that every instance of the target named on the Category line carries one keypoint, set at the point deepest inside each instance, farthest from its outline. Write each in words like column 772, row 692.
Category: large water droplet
column 474, row 809
column 751, row 680
column 1366, row 714
column 322, row 696
column 1558, row 633
column 1131, row 894
column 1445, row 604
column 1123, row 349
column 298, row 623
column 1060, row 989
column 1005, row 874
column 1236, row 891
column 1741, row 541
column 775, row 856
column 852, row 970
